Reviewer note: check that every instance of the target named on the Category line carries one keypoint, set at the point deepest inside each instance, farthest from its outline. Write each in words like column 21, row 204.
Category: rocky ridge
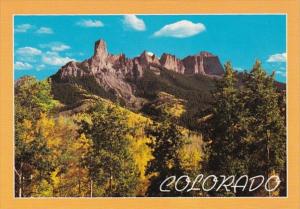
column 115, row 73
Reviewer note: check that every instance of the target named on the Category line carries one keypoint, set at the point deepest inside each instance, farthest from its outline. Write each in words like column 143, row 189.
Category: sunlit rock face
column 114, row 72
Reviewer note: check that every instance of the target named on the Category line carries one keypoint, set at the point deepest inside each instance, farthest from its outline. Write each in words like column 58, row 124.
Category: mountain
column 119, row 78
column 146, row 83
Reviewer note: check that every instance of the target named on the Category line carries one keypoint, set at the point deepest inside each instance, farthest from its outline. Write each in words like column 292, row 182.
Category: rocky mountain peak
column 147, row 54
column 118, row 74
column 205, row 54
column 147, row 58
column 204, row 63
column 170, row 62
column 100, row 49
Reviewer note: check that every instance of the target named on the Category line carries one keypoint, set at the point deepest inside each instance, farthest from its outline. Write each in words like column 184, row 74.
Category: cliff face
column 204, row 63
column 170, row 62
column 113, row 72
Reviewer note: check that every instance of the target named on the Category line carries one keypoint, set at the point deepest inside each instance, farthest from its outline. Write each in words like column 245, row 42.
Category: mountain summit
column 119, row 75
column 203, row 63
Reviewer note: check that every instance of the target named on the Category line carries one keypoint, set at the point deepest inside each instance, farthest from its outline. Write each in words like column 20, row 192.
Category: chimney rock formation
column 112, row 72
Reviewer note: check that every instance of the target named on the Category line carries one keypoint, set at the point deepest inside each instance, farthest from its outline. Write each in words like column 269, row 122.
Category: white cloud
column 56, row 46
column 181, row 29
column 277, row 58
column 45, row 30
column 239, row 69
column 23, row 28
column 40, row 67
column 61, row 47
column 282, row 68
column 133, row 22
column 28, row 51
column 150, row 53
column 53, row 58
column 90, row 23
column 22, row 66
column 280, row 73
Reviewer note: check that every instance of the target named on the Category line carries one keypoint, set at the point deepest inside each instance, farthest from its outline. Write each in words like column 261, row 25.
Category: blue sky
column 42, row 44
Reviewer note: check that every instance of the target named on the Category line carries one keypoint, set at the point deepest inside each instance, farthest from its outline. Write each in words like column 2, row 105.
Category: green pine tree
column 266, row 124
column 246, row 134
column 227, row 141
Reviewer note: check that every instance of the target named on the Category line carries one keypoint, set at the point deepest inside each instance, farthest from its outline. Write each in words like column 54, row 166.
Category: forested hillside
column 76, row 138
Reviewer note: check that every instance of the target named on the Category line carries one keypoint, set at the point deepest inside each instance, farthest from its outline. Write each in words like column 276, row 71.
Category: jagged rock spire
column 100, row 49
